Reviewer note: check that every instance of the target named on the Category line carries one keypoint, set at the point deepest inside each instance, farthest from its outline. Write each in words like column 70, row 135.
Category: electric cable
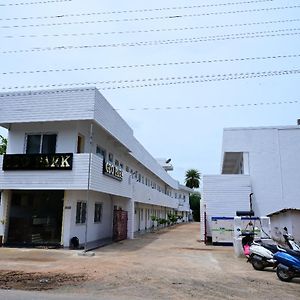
column 33, row 3
column 210, row 106
column 163, row 81
column 246, row 35
column 152, row 30
column 176, row 63
column 156, row 18
column 133, row 11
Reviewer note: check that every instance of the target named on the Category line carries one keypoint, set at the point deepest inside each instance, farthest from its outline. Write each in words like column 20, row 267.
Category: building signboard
column 113, row 171
column 57, row 161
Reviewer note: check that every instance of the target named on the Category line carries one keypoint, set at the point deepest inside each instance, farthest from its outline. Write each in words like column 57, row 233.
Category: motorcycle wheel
column 284, row 274
column 257, row 264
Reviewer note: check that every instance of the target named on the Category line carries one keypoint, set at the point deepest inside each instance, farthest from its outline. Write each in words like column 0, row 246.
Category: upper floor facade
column 82, row 124
column 270, row 156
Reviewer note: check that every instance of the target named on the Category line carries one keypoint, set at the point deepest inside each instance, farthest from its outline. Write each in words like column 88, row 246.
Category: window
column 80, row 212
column 111, row 157
column 98, row 213
column 40, row 143
column 101, row 152
column 80, row 143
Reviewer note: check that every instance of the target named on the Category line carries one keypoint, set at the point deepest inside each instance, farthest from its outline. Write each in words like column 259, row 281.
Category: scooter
column 290, row 241
column 288, row 264
column 261, row 254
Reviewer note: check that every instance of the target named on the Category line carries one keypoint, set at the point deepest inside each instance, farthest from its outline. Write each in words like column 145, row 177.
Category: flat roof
column 264, row 127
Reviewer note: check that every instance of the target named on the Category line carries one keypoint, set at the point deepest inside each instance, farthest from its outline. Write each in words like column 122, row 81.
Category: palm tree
column 3, row 145
column 192, row 178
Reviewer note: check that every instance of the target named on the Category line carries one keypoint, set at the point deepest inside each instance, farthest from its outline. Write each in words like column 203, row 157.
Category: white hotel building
column 55, row 179
column 264, row 161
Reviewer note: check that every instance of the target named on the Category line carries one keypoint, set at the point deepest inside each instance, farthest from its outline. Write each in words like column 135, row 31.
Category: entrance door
column 120, row 225
column 35, row 218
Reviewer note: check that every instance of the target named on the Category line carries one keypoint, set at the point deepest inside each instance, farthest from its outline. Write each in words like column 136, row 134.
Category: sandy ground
column 167, row 264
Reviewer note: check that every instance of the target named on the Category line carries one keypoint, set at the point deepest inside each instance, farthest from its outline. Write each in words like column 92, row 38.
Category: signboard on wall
column 113, row 171
column 57, row 161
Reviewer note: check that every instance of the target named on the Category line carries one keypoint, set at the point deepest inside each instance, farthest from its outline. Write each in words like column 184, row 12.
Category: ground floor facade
column 56, row 217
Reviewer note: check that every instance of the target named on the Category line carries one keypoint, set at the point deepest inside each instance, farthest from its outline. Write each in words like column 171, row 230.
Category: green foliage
column 195, row 205
column 172, row 218
column 192, row 178
column 3, row 145
column 153, row 218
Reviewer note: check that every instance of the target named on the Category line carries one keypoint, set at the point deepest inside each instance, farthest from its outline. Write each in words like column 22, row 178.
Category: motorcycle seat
column 293, row 252
column 272, row 248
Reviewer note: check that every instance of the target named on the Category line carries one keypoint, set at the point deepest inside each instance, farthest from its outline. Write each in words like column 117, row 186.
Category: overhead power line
column 156, row 18
column 32, row 3
column 246, row 35
column 176, row 63
column 132, row 11
column 161, row 81
column 152, row 30
column 211, row 106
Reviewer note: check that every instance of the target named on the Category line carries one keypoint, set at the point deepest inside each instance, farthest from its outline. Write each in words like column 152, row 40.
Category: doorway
column 35, row 218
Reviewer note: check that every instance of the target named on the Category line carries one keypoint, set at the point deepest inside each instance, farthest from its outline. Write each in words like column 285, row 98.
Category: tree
column 3, row 145
column 192, row 178
column 195, row 205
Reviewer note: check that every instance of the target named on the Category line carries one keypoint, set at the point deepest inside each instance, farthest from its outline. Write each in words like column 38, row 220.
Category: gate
column 120, row 225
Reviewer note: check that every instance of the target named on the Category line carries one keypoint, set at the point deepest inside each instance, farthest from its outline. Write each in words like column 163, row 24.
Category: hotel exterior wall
column 45, row 106
column 274, row 164
column 96, row 231
column 223, row 195
column 147, row 195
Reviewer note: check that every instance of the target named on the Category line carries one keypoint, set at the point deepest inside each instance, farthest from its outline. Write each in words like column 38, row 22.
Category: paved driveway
column 167, row 264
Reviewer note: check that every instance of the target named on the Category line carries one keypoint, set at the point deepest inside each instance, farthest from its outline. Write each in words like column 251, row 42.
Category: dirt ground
column 167, row 264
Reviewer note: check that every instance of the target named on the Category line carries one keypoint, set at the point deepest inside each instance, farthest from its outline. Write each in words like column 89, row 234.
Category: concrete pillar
column 66, row 222
column 4, row 214
column 130, row 224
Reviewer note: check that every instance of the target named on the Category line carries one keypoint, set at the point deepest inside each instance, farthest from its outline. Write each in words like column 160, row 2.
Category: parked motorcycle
column 288, row 264
column 261, row 254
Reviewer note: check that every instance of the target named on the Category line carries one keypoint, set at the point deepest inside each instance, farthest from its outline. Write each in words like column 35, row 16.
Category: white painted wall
column 274, row 163
column 289, row 219
column 96, row 231
column 222, row 196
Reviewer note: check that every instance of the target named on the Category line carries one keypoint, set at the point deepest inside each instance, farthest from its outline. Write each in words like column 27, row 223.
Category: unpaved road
column 168, row 264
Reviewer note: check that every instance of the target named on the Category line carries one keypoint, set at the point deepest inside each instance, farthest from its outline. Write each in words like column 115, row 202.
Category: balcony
column 60, row 179
column 146, row 194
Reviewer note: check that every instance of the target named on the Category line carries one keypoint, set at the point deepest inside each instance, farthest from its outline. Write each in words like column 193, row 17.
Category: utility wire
column 160, row 81
column 33, row 3
column 246, row 35
column 176, row 63
column 133, row 11
column 156, row 18
column 210, row 106
column 152, row 30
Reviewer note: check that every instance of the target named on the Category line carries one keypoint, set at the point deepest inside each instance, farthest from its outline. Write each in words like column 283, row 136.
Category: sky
column 177, row 71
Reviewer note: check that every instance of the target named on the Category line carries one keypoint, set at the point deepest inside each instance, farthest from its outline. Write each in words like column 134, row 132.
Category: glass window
column 98, row 213
column 33, row 144
column 48, row 143
column 41, row 143
column 80, row 212
column 101, row 152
